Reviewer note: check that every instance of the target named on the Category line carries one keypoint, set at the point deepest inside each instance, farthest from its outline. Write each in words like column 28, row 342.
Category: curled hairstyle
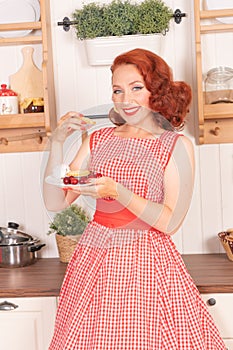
column 169, row 98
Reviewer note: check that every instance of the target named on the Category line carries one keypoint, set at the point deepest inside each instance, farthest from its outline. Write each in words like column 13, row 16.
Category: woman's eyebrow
column 132, row 83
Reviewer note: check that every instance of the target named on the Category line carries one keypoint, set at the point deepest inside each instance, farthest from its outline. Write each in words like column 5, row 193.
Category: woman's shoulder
column 170, row 139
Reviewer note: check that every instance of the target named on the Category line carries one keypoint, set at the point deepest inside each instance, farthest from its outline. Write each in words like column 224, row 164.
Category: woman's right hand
column 67, row 124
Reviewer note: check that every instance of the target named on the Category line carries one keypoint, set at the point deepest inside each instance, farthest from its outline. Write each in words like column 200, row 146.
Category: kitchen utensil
column 17, row 248
column 28, row 81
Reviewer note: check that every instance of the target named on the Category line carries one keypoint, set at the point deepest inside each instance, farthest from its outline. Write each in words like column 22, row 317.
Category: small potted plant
column 68, row 225
column 118, row 24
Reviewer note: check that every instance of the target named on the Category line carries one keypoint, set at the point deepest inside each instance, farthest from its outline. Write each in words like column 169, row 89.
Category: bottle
column 8, row 101
column 219, row 85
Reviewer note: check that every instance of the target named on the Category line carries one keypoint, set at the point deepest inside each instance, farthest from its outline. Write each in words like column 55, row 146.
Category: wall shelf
column 29, row 132
column 216, row 120
column 29, row 120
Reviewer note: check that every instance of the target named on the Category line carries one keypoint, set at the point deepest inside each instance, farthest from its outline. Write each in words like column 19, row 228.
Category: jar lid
column 220, row 74
column 6, row 92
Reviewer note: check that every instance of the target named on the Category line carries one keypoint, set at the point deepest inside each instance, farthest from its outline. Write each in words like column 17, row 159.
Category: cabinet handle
column 6, row 306
column 211, row 302
column 215, row 131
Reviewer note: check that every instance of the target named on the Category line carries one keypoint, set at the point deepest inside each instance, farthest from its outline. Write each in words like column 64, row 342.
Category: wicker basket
column 226, row 239
column 66, row 246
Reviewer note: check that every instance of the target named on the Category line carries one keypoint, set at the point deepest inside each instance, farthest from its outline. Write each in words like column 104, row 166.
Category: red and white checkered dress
column 128, row 288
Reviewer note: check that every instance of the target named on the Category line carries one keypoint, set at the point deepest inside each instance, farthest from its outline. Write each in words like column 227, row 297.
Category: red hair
column 170, row 98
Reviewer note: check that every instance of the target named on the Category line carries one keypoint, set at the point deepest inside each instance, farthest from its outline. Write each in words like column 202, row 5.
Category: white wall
column 79, row 87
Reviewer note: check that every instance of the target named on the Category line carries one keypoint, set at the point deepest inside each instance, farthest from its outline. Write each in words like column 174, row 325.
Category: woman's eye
column 137, row 88
column 117, row 91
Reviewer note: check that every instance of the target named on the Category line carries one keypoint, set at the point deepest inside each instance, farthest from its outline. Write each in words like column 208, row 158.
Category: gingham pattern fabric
column 129, row 289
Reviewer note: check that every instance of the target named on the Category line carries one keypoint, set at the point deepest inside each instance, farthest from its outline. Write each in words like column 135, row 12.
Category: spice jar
column 8, row 101
column 219, row 85
column 32, row 105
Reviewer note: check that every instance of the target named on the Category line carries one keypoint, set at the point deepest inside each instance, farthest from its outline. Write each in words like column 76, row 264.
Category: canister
column 8, row 101
column 219, row 85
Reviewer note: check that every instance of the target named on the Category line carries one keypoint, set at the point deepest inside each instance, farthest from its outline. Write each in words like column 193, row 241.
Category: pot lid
column 7, row 92
column 12, row 236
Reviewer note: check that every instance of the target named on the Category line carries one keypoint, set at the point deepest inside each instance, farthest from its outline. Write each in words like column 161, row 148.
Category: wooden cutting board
column 28, row 81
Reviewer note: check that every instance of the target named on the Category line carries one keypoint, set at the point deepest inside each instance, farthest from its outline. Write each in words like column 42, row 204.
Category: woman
column 126, row 286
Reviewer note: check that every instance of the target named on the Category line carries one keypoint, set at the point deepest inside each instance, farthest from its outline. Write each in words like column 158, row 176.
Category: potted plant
column 119, row 22
column 68, row 225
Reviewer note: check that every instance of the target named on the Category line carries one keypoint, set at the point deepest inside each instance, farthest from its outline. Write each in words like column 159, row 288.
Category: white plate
column 220, row 5
column 58, row 182
column 18, row 11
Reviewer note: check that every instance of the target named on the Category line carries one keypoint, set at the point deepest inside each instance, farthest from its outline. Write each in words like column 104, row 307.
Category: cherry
column 74, row 181
column 66, row 180
column 83, row 180
column 98, row 175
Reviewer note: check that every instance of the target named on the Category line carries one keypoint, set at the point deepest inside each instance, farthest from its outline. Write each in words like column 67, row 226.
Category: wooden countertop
column 212, row 273
column 43, row 278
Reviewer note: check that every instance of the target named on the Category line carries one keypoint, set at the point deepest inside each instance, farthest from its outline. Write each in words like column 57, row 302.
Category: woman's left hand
column 103, row 187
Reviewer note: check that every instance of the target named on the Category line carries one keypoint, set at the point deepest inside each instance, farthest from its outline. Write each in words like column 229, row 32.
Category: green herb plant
column 70, row 221
column 122, row 17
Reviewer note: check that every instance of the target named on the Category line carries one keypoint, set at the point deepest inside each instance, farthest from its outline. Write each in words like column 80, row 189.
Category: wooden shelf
column 215, row 120
column 29, row 132
column 216, row 13
column 20, row 26
column 219, row 111
column 29, row 120
column 29, row 39
column 30, row 145
column 216, row 28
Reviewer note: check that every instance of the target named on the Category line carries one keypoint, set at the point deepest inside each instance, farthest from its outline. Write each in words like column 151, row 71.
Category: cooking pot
column 17, row 248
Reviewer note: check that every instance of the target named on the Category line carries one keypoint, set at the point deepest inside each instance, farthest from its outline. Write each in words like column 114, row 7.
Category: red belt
column 122, row 218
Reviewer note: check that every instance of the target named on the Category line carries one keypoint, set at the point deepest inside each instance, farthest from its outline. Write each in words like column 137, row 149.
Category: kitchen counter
column 212, row 273
column 43, row 278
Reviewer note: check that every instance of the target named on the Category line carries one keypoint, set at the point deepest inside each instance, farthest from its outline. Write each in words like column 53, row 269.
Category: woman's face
column 130, row 95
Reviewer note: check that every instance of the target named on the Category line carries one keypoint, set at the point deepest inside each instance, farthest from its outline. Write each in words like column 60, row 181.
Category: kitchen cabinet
column 212, row 274
column 36, row 297
column 215, row 120
column 27, row 323
column 28, row 132
column 220, row 306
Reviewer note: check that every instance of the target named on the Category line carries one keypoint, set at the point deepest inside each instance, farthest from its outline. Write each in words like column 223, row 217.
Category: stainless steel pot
column 17, row 248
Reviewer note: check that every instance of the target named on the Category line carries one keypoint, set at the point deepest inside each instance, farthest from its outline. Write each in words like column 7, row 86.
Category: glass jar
column 219, row 85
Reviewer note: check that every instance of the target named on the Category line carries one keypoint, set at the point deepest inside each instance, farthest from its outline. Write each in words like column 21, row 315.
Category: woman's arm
column 56, row 198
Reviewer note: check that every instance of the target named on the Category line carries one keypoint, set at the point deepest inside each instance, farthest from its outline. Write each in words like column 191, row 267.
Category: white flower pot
column 102, row 51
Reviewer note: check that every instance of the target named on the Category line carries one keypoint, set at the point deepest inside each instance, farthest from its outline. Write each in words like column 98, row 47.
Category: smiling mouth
column 130, row 111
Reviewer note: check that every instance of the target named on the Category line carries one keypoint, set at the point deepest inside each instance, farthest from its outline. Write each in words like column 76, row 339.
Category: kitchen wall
column 81, row 87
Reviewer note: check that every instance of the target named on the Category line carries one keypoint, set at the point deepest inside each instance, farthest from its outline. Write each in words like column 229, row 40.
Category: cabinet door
column 229, row 344
column 220, row 306
column 27, row 323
